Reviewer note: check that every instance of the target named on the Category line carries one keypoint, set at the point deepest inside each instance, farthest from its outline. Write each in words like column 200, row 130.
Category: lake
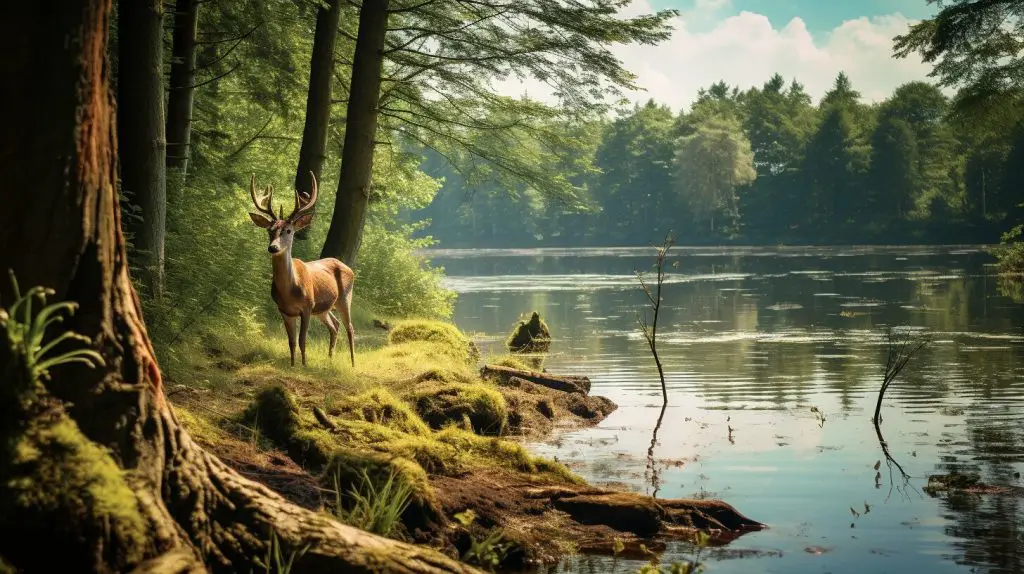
column 751, row 340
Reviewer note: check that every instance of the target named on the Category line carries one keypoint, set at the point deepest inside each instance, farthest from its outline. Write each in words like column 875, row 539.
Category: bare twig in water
column 902, row 346
column 650, row 329
column 650, row 332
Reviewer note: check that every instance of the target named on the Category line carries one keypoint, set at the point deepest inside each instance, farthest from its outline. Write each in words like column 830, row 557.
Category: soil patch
column 547, row 520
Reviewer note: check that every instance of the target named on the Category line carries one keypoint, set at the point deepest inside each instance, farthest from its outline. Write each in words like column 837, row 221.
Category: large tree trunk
column 93, row 461
column 140, row 103
column 318, row 100
column 183, row 77
column 346, row 229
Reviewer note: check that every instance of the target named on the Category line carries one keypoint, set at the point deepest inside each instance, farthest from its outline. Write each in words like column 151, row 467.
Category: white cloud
column 745, row 50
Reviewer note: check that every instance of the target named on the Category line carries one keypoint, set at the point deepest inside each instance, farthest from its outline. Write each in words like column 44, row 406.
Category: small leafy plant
column 26, row 332
column 374, row 509
column 273, row 561
column 489, row 551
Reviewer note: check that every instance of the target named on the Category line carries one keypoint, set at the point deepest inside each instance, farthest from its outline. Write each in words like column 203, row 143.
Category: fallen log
column 565, row 383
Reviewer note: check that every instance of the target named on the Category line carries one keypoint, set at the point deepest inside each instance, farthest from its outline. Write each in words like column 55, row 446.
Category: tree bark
column 318, row 100
column 140, row 102
column 183, row 78
column 95, row 463
column 346, row 229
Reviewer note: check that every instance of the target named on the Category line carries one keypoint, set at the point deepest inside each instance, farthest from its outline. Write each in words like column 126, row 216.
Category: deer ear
column 303, row 222
column 260, row 221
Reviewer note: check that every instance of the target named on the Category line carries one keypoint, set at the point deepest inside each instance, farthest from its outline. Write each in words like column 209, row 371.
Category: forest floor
column 419, row 408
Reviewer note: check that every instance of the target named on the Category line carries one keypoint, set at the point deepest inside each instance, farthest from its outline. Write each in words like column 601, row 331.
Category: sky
column 744, row 42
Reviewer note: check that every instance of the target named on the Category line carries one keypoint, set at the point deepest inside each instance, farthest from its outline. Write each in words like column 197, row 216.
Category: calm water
column 752, row 339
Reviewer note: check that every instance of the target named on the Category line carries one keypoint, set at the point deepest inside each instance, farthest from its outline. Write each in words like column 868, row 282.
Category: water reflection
column 751, row 339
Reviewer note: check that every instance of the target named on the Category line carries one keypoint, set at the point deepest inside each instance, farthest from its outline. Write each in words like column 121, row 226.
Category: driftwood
column 564, row 383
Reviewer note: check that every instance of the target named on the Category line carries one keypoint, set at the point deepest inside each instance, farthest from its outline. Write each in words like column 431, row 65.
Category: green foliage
column 26, row 333
column 398, row 281
column 841, row 171
column 373, row 505
column 894, row 169
column 274, row 562
column 487, row 137
column 1010, row 251
column 489, row 551
column 976, row 46
column 711, row 164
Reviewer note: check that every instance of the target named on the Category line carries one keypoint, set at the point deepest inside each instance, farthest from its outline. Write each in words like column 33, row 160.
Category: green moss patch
column 274, row 413
column 379, row 406
column 446, row 336
column 475, row 407
column 493, row 451
column 530, row 336
column 60, row 477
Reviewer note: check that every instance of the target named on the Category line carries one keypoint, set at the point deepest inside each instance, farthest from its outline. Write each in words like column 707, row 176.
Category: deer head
column 281, row 229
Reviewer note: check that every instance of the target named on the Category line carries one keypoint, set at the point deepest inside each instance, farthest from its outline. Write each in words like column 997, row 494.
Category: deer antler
column 267, row 209
column 304, row 207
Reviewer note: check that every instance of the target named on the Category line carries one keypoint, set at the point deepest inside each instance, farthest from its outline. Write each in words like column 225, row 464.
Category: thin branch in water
column 902, row 347
column 650, row 329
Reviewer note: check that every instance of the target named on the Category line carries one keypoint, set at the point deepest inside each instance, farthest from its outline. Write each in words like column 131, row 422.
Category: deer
column 303, row 289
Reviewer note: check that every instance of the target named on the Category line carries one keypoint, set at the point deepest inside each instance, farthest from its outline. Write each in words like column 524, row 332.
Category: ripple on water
column 733, row 362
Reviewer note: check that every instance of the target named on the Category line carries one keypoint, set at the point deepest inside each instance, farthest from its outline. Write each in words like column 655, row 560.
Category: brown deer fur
column 299, row 288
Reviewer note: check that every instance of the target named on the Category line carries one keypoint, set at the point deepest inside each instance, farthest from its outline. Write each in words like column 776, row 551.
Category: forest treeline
column 763, row 165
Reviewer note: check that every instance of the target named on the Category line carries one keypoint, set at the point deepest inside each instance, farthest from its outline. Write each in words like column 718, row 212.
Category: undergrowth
column 375, row 508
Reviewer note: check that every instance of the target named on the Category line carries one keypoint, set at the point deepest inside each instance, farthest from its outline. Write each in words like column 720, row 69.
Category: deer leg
column 344, row 306
column 332, row 324
column 289, row 326
column 303, row 327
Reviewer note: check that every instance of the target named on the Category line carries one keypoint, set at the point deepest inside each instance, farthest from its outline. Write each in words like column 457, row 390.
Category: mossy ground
column 414, row 403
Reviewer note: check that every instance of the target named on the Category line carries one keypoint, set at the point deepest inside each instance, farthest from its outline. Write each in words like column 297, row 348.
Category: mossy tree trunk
column 346, row 230
column 96, row 464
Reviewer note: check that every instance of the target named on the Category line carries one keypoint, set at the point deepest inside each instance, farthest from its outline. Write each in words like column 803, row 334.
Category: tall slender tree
column 894, row 171
column 313, row 150
column 182, row 84
column 92, row 458
column 140, row 125
column 353, row 197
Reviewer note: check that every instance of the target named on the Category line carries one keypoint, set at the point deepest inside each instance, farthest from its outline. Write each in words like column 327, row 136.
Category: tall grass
column 374, row 508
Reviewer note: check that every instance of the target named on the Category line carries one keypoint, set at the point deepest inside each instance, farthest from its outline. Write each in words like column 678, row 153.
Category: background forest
column 763, row 166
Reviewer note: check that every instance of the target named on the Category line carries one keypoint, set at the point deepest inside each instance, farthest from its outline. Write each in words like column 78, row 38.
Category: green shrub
column 1010, row 252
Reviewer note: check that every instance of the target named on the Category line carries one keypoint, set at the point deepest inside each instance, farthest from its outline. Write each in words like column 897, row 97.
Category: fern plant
column 26, row 332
